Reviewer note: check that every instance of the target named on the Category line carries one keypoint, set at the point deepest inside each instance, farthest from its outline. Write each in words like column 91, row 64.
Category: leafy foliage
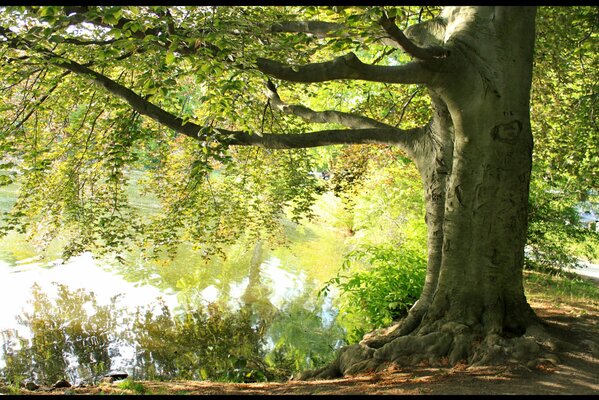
column 383, row 292
column 556, row 238
column 564, row 100
column 74, row 153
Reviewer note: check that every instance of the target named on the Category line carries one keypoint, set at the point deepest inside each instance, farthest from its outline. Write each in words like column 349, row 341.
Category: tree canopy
column 79, row 82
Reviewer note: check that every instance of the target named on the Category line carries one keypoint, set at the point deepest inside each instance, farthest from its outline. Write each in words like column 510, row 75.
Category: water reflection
column 246, row 319
column 71, row 336
column 18, row 276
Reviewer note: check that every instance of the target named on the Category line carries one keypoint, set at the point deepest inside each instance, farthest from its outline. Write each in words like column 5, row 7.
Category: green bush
column 130, row 384
column 389, row 283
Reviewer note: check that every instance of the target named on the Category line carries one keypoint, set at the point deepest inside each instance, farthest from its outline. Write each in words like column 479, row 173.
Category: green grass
column 565, row 286
column 130, row 384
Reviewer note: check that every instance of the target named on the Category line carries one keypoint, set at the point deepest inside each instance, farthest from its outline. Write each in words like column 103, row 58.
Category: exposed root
column 454, row 343
column 380, row 337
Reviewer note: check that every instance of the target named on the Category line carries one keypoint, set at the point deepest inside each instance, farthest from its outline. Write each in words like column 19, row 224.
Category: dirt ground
column 576, row 371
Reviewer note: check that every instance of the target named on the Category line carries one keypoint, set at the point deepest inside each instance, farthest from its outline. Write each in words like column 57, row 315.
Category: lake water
column 18, row 276
column 294, row 327
column 282, row 289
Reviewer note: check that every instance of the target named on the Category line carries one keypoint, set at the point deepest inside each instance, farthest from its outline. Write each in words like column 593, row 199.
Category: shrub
column 389, row 283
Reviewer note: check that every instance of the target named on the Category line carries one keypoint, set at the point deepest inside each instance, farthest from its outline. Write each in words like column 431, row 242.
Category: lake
column 253, row 318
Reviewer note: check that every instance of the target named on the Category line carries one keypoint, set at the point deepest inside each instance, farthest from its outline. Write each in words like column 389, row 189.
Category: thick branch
column 421, row 53
column 274, row 141
column 330, row 116
column 347, row 67
column 389, row 135
column 394, row 136
column 136, row 102
column 323, row 29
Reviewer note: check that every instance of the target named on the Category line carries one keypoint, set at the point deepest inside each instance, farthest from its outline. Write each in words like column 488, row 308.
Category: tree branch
column 79, row 42
column 347, row 67
column 78, row 14
column 136, row 102
column 386, row 135
column 329, row 116
column 41, row 100
column 402, row 138
column 323, row 29
column 421, row 53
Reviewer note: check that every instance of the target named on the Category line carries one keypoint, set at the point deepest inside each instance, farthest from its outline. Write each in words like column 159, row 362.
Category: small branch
column 41, row 100
column 421, row 53
column 405, row 107
column 78, row 14
column 79, row 42
column 330, row 116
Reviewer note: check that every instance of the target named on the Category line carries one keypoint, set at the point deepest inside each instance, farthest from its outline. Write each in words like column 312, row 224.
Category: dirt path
column 575, row 372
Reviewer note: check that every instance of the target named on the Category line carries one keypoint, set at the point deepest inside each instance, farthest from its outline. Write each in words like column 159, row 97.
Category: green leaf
column 110, row 19
column 170, row 57
column 5, row 180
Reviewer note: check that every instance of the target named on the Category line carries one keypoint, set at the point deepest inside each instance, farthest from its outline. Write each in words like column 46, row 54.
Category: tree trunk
column 476, row 173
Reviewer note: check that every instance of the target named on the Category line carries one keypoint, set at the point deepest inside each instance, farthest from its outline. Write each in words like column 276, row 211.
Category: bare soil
column 574, row 370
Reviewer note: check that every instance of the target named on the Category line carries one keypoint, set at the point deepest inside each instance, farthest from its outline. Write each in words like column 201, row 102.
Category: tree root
column 453, row 343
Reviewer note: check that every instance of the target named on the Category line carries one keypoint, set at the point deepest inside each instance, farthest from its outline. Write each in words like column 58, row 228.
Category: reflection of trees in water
column 208, row 342
column 71, row 337
column 300, row 338
column 76, row 338
column 257, row 295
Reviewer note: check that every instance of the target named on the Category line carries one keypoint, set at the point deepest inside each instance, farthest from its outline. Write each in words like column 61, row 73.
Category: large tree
column 89, row 91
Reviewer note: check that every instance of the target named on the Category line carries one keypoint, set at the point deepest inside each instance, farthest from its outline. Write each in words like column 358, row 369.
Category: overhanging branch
column 387, row 135
column 347, row 67
column 329, row 137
